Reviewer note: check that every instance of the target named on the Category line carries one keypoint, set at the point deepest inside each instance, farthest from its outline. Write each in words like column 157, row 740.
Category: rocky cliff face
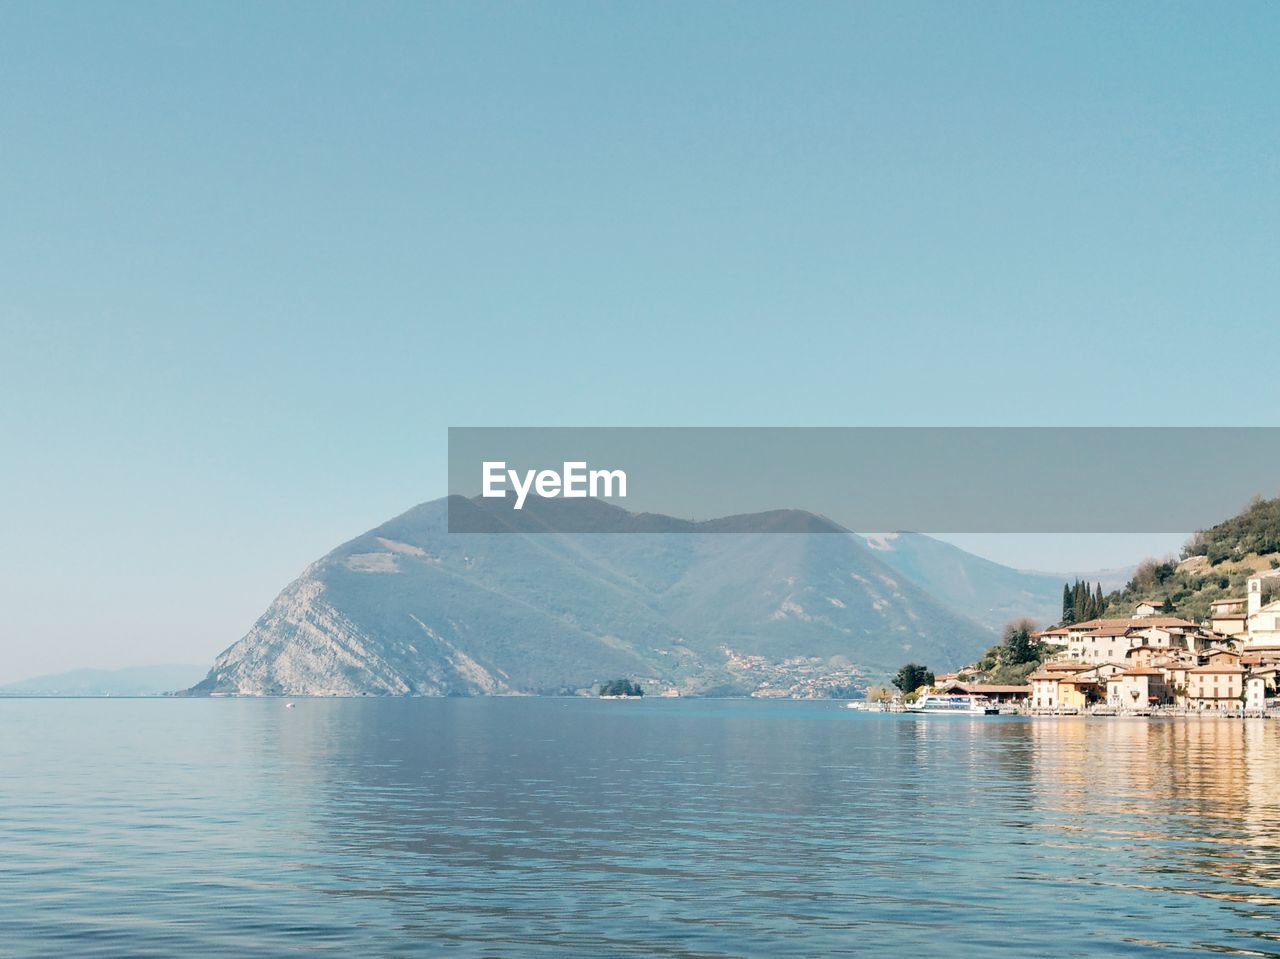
column 408, row 609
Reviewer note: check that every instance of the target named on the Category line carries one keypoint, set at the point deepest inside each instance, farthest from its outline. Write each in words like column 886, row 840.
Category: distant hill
column 407, row 609
column 986, row 592
column 133, row 681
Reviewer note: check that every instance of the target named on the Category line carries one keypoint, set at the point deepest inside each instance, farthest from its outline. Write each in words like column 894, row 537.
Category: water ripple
column 682, row 829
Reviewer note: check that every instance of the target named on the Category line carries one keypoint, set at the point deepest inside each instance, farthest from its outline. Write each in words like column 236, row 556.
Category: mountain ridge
column 154, row 680
column 983, row 590
column 408, row 609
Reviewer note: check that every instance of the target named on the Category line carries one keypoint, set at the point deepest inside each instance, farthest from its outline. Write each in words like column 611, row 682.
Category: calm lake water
column 514, row 827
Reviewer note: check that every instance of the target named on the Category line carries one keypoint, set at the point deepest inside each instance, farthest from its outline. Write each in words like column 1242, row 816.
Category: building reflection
column 1185, row 805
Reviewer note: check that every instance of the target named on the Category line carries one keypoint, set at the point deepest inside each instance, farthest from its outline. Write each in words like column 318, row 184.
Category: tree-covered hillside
column 1256, row 530
column 1216, row 564
column 1015, row 657
column 1188, row 587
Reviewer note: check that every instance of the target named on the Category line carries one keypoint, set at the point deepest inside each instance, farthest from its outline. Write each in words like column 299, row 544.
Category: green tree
column 621, row 687
column 1018, row 644
column 912, row 676
column 1080, row 604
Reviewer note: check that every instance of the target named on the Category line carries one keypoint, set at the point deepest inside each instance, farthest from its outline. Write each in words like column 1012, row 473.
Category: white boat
column 953, row 704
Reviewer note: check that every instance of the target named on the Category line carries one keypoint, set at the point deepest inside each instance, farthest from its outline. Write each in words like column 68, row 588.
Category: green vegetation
column 621, row 687
column 1256, row 530
column 1080, row 604
column 1188, row 591
column 1016, row 656
column 912, row 676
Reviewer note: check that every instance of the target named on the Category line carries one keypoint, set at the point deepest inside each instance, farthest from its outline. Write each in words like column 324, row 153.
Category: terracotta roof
column 1142, row 671
column 1109, row 631
column 993, row 688
column 1229, row 602
column 1067, row 665
column 1224, row 668
column 1136, row 622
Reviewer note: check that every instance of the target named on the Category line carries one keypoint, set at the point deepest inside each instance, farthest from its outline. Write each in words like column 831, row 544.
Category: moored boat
column 954, row 704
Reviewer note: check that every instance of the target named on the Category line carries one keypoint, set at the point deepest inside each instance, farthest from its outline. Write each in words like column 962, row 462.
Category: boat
column 953, row 704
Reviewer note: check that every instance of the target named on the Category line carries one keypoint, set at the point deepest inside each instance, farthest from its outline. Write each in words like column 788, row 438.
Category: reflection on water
column 1187, row 807
column 571, row 827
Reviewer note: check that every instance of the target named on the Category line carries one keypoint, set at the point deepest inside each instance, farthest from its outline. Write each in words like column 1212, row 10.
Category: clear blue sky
column 257, row 257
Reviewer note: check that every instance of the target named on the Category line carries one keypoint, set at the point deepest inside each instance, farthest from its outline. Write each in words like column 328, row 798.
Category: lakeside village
column 1150, row 663
column 1197, row 636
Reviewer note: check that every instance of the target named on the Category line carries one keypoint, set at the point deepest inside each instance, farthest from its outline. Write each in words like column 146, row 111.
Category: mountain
column 134, row 681
column 988, row 593
column 408, row 609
